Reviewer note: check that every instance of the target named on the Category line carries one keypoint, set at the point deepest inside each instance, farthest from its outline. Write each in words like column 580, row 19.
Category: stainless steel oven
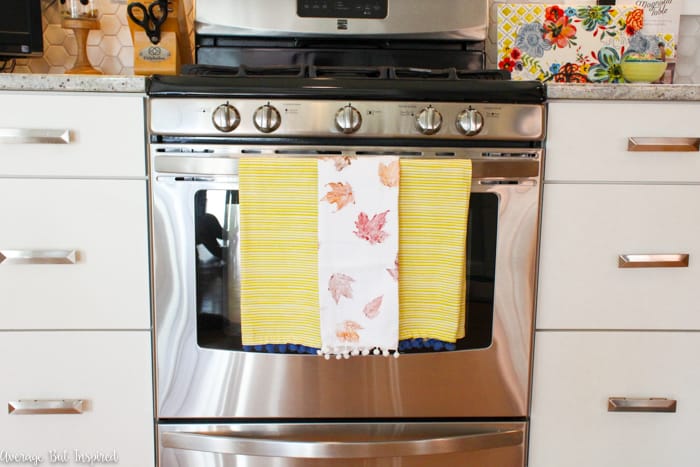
column 219, row 405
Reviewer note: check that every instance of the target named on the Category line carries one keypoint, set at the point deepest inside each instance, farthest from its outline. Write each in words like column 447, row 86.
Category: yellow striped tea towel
column 433, row 209
column 279, row 248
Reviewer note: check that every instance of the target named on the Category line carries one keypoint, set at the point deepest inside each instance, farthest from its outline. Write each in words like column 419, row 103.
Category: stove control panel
column 368, row 9
column 314, row 118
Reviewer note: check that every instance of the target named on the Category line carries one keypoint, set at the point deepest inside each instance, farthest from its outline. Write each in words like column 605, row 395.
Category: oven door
column 202, row 373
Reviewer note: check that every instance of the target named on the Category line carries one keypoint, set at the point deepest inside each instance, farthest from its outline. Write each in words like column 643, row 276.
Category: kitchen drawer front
column 87, row 241
column 110, row 372
column 575, row 373
column 72, row 135
column 586, row 228
column 598, row 149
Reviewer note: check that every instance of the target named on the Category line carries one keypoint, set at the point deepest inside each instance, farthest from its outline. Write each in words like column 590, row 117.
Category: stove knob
column 429, row 121
column 348, row 119
column 470, row 122
column 225, row 118
column 267, row 118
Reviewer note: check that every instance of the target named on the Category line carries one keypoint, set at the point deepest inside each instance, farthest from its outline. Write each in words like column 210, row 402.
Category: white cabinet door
column 576, row 372
column 105, row 223
column 588, row 141
column 104, row 134
column 585, row 228
column 109, row 371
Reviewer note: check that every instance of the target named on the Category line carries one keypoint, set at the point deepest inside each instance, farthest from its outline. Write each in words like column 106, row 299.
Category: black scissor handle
column 142, row 18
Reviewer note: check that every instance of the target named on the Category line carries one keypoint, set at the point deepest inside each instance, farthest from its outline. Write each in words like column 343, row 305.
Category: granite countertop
column 645, row 92
column 137, row 84
column 84, row 83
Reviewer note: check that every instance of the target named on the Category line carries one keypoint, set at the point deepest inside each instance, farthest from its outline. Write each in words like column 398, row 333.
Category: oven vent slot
column 389, row 153
column 251, row 151
column 185, row 150
column 308, row 152
column 445, row 154
column 506, row 182
column 514, row 155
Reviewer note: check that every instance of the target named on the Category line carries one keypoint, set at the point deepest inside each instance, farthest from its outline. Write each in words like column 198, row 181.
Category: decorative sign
column 580, row 44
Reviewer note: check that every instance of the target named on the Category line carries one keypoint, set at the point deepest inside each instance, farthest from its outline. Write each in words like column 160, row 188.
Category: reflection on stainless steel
column 45, row 406
column 447, row 19
column 346, row 444
column 652, row 404
column 182, row 116
column 489, row 382
column 680, row 260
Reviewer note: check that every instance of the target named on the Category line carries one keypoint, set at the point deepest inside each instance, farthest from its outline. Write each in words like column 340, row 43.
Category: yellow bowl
column 643, row 71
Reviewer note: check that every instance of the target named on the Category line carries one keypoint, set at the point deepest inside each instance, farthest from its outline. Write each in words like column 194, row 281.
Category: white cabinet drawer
column 586, row 228
column 575, row 374
column 597, row 150
column 105, row 135
column 105, row 223
column 109, row 371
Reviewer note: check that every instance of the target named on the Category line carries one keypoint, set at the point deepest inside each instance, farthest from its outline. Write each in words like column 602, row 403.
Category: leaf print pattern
column 372, row 309
column 371, row 229
column 340, row 285
column 394, row 272
column 342, row 162
column 340, row 195
column 348, row 332
column 357, row 247
column 389, row 174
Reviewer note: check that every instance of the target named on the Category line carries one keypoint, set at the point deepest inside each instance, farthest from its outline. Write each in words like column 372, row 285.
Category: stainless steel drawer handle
column 653, row 261
column 38, row 256
column 653, row 404
column 638, row 144
column 29, row 136
column 45, row 406
column 227, row 443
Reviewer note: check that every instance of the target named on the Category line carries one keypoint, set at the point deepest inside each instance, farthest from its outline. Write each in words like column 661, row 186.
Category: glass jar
column 78, row 9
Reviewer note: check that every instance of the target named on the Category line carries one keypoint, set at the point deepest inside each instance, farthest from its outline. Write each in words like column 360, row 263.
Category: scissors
column 151, row 18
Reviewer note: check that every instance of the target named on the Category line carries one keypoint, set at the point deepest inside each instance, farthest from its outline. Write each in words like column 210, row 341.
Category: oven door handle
column 227, row 443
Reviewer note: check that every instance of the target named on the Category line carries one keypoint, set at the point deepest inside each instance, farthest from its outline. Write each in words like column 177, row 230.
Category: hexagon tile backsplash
column 111, row 51
column 109, row 48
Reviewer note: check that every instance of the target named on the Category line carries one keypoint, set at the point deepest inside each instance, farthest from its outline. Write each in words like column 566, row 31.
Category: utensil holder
column 81, row 28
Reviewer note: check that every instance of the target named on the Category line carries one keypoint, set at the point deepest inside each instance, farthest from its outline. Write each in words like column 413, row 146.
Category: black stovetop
column 342, row 82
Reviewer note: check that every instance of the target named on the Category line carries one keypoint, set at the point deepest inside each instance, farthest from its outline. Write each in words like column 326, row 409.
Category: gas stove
column 335, row 102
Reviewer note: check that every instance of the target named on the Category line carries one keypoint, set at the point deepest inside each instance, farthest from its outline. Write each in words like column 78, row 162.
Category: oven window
column 217, row 253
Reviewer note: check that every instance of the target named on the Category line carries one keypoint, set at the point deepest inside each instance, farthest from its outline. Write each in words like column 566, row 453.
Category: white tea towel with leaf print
column 358, row 235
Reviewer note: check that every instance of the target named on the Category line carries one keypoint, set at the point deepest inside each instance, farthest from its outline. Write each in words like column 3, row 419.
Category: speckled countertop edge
column 77, row 83
column 137, row 84
column 645, row 92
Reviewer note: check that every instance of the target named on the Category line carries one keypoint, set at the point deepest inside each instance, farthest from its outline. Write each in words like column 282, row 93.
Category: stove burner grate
column 360, row 72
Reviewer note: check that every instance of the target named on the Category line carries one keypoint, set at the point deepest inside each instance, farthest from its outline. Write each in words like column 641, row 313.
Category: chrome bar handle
column 224, row 443
column 680, row 260
column 38, row 256
column 46, row 406
column 31, row 136
column 652, row 404
column 637, row 144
